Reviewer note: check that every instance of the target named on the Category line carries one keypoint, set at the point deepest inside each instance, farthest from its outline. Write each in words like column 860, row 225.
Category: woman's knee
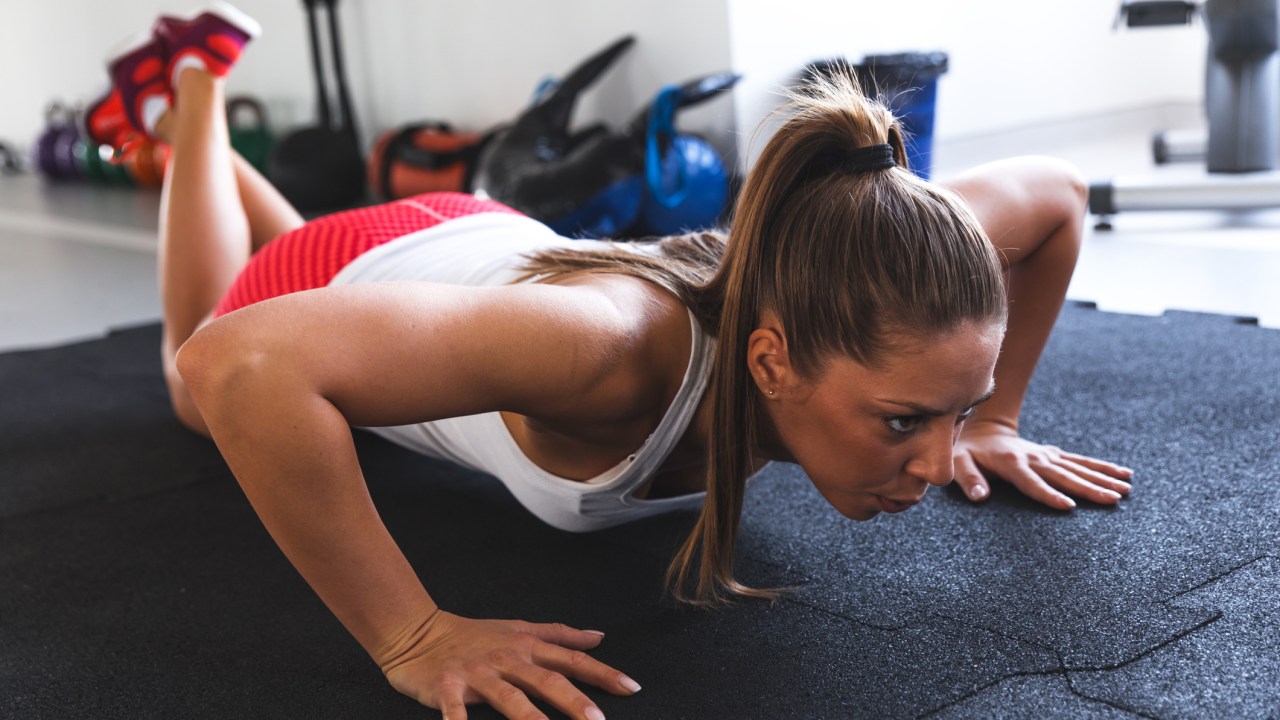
column 179, row 397
column 183, row 406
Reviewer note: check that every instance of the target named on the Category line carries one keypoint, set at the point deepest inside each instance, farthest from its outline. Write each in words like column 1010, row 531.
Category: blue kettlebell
column 686, row 186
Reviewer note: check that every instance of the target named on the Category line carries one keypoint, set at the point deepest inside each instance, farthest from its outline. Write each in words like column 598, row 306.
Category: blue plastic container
column 906, row 82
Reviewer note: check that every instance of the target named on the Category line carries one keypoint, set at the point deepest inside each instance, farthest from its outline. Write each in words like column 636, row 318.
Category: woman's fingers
column 553, row 659
column 1069, row 482
column 1034, row 486
column 1042, row 472
column 970, row 478
column 562, row 634
column 1096, row 477
column 556, row 689
column 508, row 699
column 1101, row 466
column 452, row 704
column 581, row 666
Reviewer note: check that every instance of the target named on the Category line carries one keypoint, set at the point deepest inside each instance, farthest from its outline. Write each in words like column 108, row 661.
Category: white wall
column 1012, row 62
column 476, row 62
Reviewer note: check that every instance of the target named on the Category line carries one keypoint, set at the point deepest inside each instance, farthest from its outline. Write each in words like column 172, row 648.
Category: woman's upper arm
column 403, row 352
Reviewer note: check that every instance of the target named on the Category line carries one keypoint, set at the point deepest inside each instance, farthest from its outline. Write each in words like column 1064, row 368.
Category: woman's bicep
column 396, row 353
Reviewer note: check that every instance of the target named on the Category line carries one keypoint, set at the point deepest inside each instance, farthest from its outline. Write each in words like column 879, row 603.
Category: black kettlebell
column 321, row 167
column 10, row 160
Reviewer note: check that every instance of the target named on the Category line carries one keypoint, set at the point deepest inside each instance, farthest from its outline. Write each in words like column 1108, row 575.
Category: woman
column 853, row 321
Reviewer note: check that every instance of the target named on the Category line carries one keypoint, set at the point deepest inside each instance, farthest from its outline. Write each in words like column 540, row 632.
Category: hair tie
column 872, row 157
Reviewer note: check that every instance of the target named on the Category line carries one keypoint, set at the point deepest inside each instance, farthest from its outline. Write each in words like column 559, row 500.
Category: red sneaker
column 137, row 70
column 212, row 40
column 103, row 121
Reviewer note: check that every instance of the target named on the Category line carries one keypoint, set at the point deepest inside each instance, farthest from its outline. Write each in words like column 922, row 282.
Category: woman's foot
column 137, row 70
column 212, row 41
column 144, row 71
column 103, row 121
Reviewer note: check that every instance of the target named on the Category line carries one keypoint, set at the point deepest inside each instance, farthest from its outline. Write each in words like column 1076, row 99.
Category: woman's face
column 874, row 440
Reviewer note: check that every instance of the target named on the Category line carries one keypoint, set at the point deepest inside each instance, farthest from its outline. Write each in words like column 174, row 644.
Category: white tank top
column 485, row 250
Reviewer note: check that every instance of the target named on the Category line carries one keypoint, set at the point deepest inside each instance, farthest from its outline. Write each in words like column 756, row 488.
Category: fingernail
column 1113, row 496
column 594, row 632
column 1069, row 503
column 629, row 684
column 593, row 713
column 978, row 492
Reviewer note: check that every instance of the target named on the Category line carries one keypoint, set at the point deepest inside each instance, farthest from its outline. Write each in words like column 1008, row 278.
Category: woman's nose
column 932, row 461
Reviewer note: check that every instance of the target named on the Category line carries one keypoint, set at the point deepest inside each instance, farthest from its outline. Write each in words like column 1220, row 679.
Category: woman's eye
column 903, row 423
column 966, row 414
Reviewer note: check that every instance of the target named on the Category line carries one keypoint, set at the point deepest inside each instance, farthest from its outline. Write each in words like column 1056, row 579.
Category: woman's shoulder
column 650, row 365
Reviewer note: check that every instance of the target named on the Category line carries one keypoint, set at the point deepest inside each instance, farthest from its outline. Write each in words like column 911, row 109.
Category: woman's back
column 664, row 356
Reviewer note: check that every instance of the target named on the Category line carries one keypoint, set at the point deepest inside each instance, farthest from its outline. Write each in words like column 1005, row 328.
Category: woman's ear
column 767, row 358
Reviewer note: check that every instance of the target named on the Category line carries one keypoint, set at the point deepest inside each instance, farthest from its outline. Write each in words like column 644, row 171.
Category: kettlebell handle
column 236, row 106
column 693, row 92
column 57, row 114
column 659, row 139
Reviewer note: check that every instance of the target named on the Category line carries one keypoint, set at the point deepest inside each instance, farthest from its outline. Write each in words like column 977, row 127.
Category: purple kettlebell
column 55, row 149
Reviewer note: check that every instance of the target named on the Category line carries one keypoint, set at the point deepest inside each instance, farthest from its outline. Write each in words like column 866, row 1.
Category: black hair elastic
column 872, row 157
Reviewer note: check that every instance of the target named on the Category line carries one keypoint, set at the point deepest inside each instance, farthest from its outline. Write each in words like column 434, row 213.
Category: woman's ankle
column 163, row 128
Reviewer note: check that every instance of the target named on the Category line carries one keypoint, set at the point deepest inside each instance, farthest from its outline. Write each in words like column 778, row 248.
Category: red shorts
column 312, row 255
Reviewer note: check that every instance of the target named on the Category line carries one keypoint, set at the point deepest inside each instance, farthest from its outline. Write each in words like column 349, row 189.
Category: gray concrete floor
column 77, row 260
column 74, row 260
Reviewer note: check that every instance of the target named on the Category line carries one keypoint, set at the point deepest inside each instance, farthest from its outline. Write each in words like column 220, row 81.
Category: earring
column 770, row 393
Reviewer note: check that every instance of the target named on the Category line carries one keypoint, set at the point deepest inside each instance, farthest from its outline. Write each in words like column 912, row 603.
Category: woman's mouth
column 893, row 506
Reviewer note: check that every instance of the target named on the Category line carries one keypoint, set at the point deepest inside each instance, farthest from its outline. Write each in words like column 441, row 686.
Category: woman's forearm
column 292, row 452
column 1037, row 287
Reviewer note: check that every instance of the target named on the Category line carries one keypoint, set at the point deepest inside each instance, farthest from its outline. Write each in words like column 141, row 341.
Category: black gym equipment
column 319, row 168
column 10, row 160
column 1242, row 104
column 647, row 179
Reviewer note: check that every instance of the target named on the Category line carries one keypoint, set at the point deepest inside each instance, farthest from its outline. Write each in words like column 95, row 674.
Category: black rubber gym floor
column 136, row 581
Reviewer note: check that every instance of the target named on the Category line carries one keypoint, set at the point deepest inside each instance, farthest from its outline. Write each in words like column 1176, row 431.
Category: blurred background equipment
column 250, row 132
column 1241, row 151
column 597, row 182
column 64, row 152
column 321, row 167
column 55, row 148
column 423, row 157
column 686, row 183
column 10, row 160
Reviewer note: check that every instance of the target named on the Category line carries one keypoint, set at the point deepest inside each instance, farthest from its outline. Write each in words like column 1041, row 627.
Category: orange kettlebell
column 145, row 161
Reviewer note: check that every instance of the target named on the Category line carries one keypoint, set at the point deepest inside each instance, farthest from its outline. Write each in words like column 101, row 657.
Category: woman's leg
column 205, row 235
column 269, row 214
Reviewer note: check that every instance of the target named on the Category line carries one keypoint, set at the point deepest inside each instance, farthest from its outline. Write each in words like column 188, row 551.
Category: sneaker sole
column 234, row 16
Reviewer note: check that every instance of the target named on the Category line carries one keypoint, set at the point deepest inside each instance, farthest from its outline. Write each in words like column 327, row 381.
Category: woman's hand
column 451, row 661
column 1043, row 473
